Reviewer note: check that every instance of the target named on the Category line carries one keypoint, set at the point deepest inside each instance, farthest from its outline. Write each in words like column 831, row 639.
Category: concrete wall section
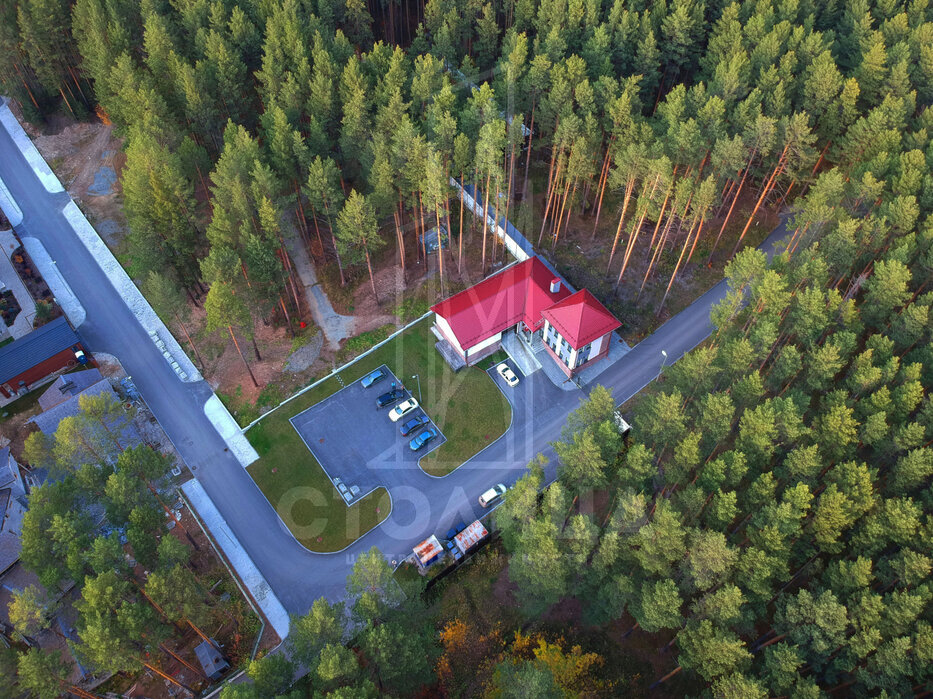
column 595, row 357
column 230, row 431
column 127, row 289
column 598, row 345
column 476, row 349
column 475, row 357
column 247, row 571
column 29, row 151
column 9, row 207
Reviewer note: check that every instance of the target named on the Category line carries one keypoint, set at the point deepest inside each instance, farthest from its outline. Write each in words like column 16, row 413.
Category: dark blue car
column 390, row 397
column 422, row 439
column 373, row 377
column 414, row 424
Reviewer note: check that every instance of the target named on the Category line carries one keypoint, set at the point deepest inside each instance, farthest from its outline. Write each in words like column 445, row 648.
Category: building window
column 583, row 355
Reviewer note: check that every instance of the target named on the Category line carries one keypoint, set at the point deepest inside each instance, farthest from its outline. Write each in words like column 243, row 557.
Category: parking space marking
column 338, row 420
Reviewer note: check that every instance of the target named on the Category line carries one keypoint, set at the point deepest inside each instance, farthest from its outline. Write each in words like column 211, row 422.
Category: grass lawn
column 28, row 401
column 466, row 406
column 22, row 404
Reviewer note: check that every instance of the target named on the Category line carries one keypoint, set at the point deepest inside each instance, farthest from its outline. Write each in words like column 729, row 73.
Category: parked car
column 507, row 374
column 390, row 397
column 402, row 409
column 414, row 423
column 372, row 377
column 423, row 438
column 491, row 495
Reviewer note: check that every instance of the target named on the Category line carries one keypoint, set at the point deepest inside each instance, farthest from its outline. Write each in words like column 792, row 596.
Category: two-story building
column 529, row 299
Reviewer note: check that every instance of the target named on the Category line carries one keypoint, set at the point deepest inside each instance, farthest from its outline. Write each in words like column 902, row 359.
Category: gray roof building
column 12, row 507
column 68, row 385
column 48, row 421
column 41, row 344
column 211, row 660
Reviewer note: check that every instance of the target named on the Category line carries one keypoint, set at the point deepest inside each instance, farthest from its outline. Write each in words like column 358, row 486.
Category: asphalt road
column 421, row 505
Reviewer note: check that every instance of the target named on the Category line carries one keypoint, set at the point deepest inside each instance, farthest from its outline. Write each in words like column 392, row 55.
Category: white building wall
column 480, row 346
column 597, row 345
column 448, row 333
column 573, row 352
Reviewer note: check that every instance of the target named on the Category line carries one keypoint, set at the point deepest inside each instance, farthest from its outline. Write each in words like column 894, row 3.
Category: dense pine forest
column 768, row 528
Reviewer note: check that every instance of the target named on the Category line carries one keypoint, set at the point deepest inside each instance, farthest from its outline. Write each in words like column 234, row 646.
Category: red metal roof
column 471, row 536
column 519, row 293
column 428, row 550
column 581, row 318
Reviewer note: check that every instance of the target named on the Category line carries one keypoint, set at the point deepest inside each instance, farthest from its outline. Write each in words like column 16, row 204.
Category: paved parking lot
column 356, row 442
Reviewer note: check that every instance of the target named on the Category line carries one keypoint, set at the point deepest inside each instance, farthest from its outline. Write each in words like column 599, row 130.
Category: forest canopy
column 771, row 523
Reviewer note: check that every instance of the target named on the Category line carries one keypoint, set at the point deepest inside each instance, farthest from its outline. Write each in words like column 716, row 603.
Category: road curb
column 9, row 206
column 125, row 287
column 65, row 297
column 32, row 155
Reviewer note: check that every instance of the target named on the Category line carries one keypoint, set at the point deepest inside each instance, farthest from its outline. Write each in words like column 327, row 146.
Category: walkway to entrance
column 519, row 352
column 617, row 349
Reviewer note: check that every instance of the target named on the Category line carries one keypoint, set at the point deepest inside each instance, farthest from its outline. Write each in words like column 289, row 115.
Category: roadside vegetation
column 764, row 531
column 768, row 531
column 109, row 551
column 467, row 407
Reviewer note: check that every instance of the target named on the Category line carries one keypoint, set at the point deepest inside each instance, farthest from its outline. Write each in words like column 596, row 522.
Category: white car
column 491, row 495
column 507, row 374
column 402, row 409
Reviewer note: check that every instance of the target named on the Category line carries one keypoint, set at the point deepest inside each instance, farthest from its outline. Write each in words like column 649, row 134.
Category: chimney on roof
column 67, row 386
column 555, row 285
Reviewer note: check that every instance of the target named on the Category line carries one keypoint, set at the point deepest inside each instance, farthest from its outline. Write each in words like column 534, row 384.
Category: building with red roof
column 531, row 300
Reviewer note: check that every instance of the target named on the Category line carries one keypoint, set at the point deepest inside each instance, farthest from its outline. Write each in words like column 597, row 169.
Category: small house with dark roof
column 212, row 661
column 34, row 357
column 65, row 387
column 532, row 300
column 13, row 505
column 68, row 385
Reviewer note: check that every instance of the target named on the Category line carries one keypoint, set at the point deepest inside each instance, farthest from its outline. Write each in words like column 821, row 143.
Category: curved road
column 421, row 505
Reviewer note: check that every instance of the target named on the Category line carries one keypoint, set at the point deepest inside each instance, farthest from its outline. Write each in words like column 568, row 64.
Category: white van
column 491, row 495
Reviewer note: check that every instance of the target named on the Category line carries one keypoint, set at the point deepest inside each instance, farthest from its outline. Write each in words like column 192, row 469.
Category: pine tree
column 358, row 234
column 225, row 309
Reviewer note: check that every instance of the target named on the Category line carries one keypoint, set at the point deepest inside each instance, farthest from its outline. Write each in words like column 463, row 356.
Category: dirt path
column 87, row 157
column 336, row 327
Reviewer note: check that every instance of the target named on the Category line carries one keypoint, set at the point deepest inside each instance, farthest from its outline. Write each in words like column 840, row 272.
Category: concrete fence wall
column 514, row 241
column 338, row 369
